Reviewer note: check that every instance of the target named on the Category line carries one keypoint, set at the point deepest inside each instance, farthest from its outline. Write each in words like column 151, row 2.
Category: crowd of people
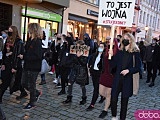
column 23, row 61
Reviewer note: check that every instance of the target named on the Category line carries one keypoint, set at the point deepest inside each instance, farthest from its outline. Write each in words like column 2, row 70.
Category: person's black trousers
column 17, row 83
column 29, row 83
column 124, row 103
column 64, row 72
column 150, row 74
column 95, row 79
column 6, row 80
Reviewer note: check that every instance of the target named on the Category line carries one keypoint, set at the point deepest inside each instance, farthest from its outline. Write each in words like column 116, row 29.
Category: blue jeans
column 29, row 82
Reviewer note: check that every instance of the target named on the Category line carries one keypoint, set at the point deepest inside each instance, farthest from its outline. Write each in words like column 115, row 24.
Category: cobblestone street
column 50, row 106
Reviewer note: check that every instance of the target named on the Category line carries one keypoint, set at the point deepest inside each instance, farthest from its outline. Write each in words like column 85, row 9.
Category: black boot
column 1, row 95
column 68, row 100
column 152, row 84
column 83, row 100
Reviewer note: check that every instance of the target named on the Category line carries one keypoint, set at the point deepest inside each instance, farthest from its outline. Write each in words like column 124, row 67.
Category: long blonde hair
column 133, row 46
column 35, row 30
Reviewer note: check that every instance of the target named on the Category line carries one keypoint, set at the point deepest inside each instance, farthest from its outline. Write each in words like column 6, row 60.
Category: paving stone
column 50, row 106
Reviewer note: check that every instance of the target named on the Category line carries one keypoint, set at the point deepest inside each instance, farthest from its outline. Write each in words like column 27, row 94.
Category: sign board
column 83, row 48
column 31, row 12
column 116, row 12
column 91, row 12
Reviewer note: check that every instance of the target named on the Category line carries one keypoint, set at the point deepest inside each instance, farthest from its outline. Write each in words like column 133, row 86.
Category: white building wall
column 153, row 24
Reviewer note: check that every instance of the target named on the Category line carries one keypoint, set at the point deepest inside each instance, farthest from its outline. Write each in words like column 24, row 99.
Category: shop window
column 43, row 23
column 31, row 20
column 54, row 27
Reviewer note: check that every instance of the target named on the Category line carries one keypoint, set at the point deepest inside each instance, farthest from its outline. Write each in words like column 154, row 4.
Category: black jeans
column 18, row 78
column 64, row 76
column 124, row 103
column 72, row 78
column 95, row 79
column 151, row 74
column 6, row 76
column 29, row 82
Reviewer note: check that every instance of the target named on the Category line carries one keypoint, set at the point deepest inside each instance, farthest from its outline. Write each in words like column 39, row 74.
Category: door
column 5, row 16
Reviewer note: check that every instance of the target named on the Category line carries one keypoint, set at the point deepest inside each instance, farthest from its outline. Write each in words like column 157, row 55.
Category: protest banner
column 116, row 13
column 83, row 48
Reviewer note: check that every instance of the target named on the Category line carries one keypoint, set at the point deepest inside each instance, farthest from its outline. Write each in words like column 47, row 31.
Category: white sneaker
column 55, row 81
column 50, row 73
column 114, row 118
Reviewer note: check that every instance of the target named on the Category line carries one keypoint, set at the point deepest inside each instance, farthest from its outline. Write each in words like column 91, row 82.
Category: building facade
column 48, row 13
column 149, row 20
column 82, row 17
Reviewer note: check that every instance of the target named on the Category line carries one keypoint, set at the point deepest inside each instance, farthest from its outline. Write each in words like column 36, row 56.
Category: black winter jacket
column 33, row 55
column 17, row 50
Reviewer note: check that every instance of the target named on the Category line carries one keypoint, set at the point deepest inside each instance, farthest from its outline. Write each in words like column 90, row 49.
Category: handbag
column 81, row 75
column 135, row 79
column 45, row 67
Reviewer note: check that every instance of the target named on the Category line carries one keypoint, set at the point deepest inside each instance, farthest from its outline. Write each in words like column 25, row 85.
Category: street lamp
column 146, row 29
column 26, row 5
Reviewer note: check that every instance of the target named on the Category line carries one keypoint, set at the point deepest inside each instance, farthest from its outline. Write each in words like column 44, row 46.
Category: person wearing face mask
column 89, row 42
column 4, row 35
column 65, row 64
column 126, row 63
column 18, row 48
column 96, row 67
column 106, row 78
column 152, row 59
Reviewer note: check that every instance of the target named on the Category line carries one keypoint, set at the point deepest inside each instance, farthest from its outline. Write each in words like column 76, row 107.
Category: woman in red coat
column 106, row 79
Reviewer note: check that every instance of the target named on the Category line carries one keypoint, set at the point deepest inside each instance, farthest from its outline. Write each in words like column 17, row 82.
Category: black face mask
column 125, row 42
column 86, row 38
column 9, row 33
column 118, row 40
column 58, row 38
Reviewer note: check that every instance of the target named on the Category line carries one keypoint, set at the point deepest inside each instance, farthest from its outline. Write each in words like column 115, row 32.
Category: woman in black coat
column 96, row 64
column 32, row 63
column 123, row 78
column 78, row 74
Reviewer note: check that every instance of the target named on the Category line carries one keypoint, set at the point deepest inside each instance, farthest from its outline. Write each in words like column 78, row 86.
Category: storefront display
column 47, row 20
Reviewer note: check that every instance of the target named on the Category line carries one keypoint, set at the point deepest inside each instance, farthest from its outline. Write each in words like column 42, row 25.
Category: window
column 158, row 25
column 153, row 25
column 150, row 24
column 95, row 2
column 140, row 16
column 147, row 20
column 144, row 17
column 134, row 17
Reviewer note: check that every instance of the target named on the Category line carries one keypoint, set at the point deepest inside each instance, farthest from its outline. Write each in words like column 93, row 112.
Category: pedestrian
column 96, row 64
column 142, row 48
column 17, row 69
column 152, row 59
column 6, row 73
column 44, row 50
column 65, row 63
column 122, row 62
column 78, row 74
column 32, row 63
column 106, row 78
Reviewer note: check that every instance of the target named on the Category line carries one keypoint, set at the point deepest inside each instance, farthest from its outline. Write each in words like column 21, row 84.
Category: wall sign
column 91, row 12
column 31, row 12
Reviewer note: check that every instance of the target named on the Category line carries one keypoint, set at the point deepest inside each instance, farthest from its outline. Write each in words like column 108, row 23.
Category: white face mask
column 100, row 49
